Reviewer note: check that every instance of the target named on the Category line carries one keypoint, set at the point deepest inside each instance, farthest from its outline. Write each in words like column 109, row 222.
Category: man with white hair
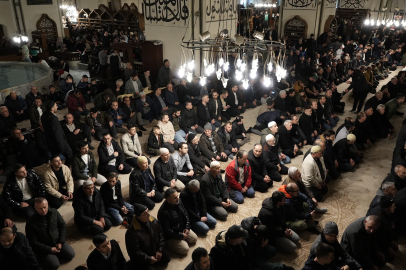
column 295, row 176
column 387, row 190
column 7, row 122
column 166, row 173
column 345, row 157
column 280, row 102
column 192, row 197
column 117, row 87
column 271, row 159
column 146, row 106
column 286, row 143
column 216, row 194
column 398, row 176
column 90, row 216
column 314, row 174
column 381, row 124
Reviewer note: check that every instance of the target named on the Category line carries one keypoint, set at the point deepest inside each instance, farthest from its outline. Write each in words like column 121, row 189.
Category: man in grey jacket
column 183, row 165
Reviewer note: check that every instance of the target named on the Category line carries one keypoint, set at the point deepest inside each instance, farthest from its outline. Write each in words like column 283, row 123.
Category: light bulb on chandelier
column 218, row 73
column 225, row 66
column 191, row 64
column 253, row 73
column 267, row 81
column 203, row 80
column 238, row 75
column 181, row 72
column 189, row 76
column 245, row 83
column 224, row 81
column 242, row 67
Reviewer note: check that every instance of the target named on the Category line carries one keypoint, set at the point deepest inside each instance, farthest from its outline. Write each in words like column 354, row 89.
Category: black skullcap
column 139, row 209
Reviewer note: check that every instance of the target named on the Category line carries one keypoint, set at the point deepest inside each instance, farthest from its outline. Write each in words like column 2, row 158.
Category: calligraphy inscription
column 226, row 9
column 166, row 10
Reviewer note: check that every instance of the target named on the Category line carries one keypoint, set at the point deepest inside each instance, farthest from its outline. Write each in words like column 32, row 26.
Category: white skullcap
column 214, row 164
column 88, row 183
column 163, row 150
column 270, row 124
column 268, row 137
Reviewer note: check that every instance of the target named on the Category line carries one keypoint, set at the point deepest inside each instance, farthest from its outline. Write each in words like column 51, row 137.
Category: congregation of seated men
column 193, row 137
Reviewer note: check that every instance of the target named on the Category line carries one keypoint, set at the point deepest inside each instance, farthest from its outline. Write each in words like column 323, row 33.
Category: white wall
column 7, row 18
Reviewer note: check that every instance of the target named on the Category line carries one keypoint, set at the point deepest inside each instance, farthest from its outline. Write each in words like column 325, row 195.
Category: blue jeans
column 215, row 125
column 286, row 160
column 115, row 215
column 334, row 121
column 239, row 196
column 180, row 136
column 77, row 114
column 200, row 227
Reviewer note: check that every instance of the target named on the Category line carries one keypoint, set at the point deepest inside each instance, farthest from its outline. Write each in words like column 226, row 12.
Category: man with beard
column 271, row 159
column 307, row 124
column 260, row 179
column 76, row 131
column 397, row 176
column 360, row 86
column 200, row 260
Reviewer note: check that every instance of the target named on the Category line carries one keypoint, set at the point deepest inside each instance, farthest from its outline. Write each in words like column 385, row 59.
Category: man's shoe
column 142, row 128
column 320, row 210
column 249, row 130
column 90, row 146
column 299, row 153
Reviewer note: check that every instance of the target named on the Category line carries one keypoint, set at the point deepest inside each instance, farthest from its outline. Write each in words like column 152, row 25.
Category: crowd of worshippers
column 187, row 175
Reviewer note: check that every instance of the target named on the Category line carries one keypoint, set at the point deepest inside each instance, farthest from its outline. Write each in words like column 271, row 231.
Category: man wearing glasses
column 90, row 216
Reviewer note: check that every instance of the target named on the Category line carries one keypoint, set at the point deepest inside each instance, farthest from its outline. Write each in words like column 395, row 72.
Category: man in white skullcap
column 274, row 129
column 271, row 159
column 90, row 216
column 165, row 172
column 216, row 194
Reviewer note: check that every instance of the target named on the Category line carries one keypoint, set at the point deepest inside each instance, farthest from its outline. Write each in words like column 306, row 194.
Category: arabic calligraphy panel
column 220, row 9
column 173, row 12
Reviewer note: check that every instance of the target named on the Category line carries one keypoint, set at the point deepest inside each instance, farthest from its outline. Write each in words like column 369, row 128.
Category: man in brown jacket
column 58, row 182
column 211, row 146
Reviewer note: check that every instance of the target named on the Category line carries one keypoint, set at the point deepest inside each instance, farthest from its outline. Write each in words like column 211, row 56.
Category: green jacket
column 44, row 232
column 391, row 107
column 102, row 117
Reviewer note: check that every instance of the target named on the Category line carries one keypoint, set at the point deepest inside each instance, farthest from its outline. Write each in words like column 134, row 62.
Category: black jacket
column 6, row 125
column 30, row 98
column 12, row 193
column 173, row 219
column 258, row 170
column 153, row 142
column 202, row 117
column 270, row 157
column 393, row 177
column 231, row 143
column 359, row 84
column 280, row 104
column 212, row 108
column 192, row 205
column 191, row 265
column 71, row 138
column 116, row 261
column 238, row 129
column 78, row 166
column 342, row 149
column 22, row 249
column 34, row 115
column 161, row 175
column 137, row 184
column 194, row 154
column 106, row 193
column 104, row 156
column 158, row 103
column 207, row 187
column 54, row 133
column 285, row 139
column 231, row 99
column 5, row 212
column 45, row 232
column 86, row 211
column 188, row 119
column 142, row 243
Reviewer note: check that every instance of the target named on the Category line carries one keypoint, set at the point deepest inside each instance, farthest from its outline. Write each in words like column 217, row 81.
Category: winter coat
column 131, row 149
column 270, row 157
column 114, row 115
column 137, row 184
column 26, row 257
column 359, row 84
column 44, row 232
column 153, row 142
column 285, row 139
column 233, row 175
column 342, row 149
column 102, row 117
column 207, row 185
column 294, row 206
column 191, row 204
column 194, row 154
column 52, row 184
column 302, row 187
column 232, row 142
column 280, row 104
column 78, row 166
column 393, row 177
column 206, row 148
column 258, row 171
column 106, row 193
column 212, row 108
column 142, row 243
column 311, row 175
column 202, row 118
column 56, row 138
column 167, row 131
column 173, row 219
column 116, row 261
column 12, row 193
column 10, row 106
column 34, row 115
column 73, row 104
column 188, row 119
column 104, row 156
column 391, row 107
column 85, row 210
column 160, row 173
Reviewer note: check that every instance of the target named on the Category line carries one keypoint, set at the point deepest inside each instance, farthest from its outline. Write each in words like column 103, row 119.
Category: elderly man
column 145, row 240
column 15, row 251
column 143, row 185
column 216, row 194
column 182, row 163
column 397, row 176
column 75, row 132
column 36, row 110
column 160, row 102
column 359, row 241
column 133, row 85
column 117, row 87
column 346, row 158
column 7, row 122
column 387, row 190
column 17, row 106
column 280, row 102
column 175, row 223
column 329, row 236
column 211, row 145
column 192, row 197
column 375, row 100
column 164, row 74
column 131, row 146
column 146, row 106
column 21, row 189
column 30, row 97
column 295, row 176
column 299, row 210
column 166, row 173
column 271, row 159
column 286, row 142
column 314, row 174
column 381, row 125
column 392, row 106
column 273, row 130
column 90, row 216
column 58, row 182
column 168, row 132
column 56, row 138
column 260, row 179
column 46, row 232
column 239, row 179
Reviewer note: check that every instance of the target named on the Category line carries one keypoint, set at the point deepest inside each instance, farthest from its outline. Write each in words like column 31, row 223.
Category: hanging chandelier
column 215, row 58
column 20, row 37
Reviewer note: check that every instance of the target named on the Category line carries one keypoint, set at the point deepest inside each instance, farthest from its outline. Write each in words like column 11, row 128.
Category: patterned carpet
column 348, row 198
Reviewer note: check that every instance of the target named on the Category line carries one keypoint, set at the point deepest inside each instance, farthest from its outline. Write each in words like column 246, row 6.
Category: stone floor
column 348, row 199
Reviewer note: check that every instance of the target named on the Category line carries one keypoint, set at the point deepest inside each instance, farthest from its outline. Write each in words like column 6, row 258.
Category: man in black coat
column 56, row 138
column 228, row 139
column 204, row 114
column 107, row 255
column 280, row 102
column 5, row 215
column 30, row 97
column 235, row 100
column 199, row 161
column 345, row 157
column 90, row 216
column 75, row 132
column 175, row 223
column 286, row 141
column 189, row 121
column 216, row 108
column 260, row 179
column 7, row 122
column 308, row 125
column 143, row 188
column 166, row 173
column 271, row 159
column 15, row 251
column 360, row 86
column 192, row 197
column 200, row 260
column 46, row 232
column 397, row 176
column 111, row 157
column 145, row 241
column 21, row 189
column 251, row 96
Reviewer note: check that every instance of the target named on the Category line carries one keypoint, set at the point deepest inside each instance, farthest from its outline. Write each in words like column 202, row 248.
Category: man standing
column 175, row 223
column 46, row 232
column 239, row 178
column 54, row 133
column 216, row 194
column 164, row 74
